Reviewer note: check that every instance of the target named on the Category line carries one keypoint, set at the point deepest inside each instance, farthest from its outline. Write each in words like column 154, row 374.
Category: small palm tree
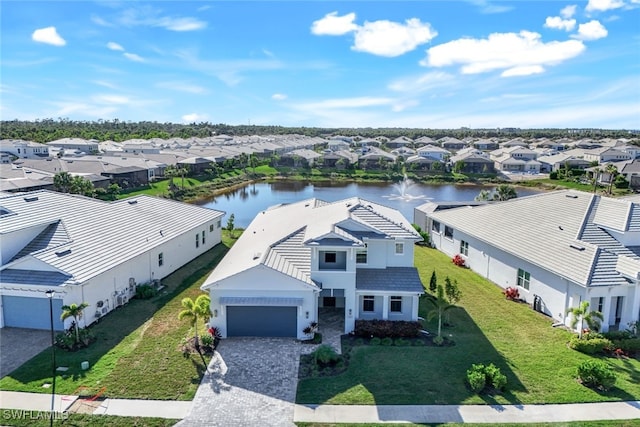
column 194, row 310
column 582, row 313
column 612, row 171
column 74, row 310
column 505, row 192
column 439, row 305
column 483, row 196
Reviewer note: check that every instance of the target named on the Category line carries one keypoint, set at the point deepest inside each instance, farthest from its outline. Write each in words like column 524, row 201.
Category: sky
column 419, row 64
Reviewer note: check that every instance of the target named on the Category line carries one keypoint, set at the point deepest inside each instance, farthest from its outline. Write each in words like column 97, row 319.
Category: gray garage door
column 269, row 321
column 32, row 313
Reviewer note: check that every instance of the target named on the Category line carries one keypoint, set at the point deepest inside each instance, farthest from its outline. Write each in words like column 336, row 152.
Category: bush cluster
column 481, row 377
column 596, row 374
column 387, row 328
column 590, row 344
column 145, row 292
column 630, row 345
column 325, row 355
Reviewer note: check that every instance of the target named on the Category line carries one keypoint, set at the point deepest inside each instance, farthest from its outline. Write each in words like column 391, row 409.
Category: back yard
column 486, row 328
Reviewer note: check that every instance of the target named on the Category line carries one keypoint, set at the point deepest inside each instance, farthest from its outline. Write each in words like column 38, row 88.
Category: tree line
column 46, row 130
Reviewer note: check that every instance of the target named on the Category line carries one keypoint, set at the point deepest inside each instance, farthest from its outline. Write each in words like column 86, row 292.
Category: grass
column 137, row 354
column 161, row 188
column 20, row 418
column 486, row 328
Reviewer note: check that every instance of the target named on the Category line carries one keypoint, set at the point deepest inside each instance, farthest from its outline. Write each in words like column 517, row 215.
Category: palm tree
column 62, row 182
column 596, row 175
column 483, row 196
column 439, row 305
column 505, row 192
column 74, row 310
column 194, row 310
column 582, row 313
column 612, row 171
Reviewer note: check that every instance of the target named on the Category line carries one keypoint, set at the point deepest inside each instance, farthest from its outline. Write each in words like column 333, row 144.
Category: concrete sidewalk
column 171, row 409
column 466, row 413
column 35, row 401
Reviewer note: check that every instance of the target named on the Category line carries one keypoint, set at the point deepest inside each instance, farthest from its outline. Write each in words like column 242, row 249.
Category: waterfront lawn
column 137, row 352
column 486, row 329
column 161, row 188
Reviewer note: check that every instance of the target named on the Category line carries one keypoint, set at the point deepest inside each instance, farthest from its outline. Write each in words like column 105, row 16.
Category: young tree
column 439, row 306
column 433, row 282
column 582, row 314
column 452, row 293
column 231, row 224
column 194, row 310
column 74, row 310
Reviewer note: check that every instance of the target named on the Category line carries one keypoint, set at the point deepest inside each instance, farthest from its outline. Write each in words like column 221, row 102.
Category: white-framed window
column 211, row 228
column 395, row 304
column 448, row 232
column 464, row 248
column 435, row 226
column 399, row 248
column 368, row 303
column 218, row 224
column 524, row 277
column 203, row 237
column 197, row 240
column 160, row 259
column 361, row 256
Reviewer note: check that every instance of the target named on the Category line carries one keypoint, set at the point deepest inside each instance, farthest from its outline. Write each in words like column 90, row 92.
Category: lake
column 246, row 202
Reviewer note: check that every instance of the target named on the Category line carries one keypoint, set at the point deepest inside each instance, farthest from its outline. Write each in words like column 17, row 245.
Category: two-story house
column 354, row 255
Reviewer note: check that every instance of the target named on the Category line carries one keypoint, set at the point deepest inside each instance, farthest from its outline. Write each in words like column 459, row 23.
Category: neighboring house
column 485, row 145
column 70, row 144
column 403, row 152
column 337, row 145
column 472, row 161
column 376, row 159
column 139, row 146
column 453, row 144
column 506, row 163
column 24, row 149
column 87, row 250
column 398, row 142
column 631, row 172
column 339, row 159
column 606, row 155
column 300, row 157
column 557, row 248
column 424, row 163
column 559, row 161
column 434, row 152
column 352, row 254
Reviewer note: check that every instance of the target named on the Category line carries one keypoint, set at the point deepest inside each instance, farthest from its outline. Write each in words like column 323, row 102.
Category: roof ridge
column 370, row 209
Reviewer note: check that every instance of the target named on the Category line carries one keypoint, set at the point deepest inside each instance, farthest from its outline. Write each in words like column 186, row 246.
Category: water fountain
column 403, row 187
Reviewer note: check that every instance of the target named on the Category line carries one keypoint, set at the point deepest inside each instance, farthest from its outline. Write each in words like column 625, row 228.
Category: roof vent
column 256, row 255
column 132, row 202
column 577, row 247
column 571, row 196
column 31, row 199
column 63, row 253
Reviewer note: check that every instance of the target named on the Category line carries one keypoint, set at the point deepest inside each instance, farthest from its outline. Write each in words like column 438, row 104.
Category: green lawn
column 19, row 418
column 137, row 352
column 161, row 188
column 486, row 328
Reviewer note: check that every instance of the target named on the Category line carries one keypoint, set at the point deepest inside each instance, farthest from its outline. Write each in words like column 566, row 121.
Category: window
column 600, row 304
column 197, row 240
column 361, row 257
column 330, row 257
column 464, row 247
column 396, row 305
column 211, row 228
column 203, row 237
column 218, row 224
column 524, row 277
column 435, row 226
column 368, row 303
column 160, row 259
column 448, row 232
column 399, row 248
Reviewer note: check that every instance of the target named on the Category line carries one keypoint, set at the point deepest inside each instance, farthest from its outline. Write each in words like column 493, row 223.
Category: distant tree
column 80, row 185
column 230, row 224
column 596, row 176
column 253, row 162
column 504, row 192
column 113, row 190
column 62, row 182
column 483, row 196
column 433, row 282
column 612, row 171
column 458, row 167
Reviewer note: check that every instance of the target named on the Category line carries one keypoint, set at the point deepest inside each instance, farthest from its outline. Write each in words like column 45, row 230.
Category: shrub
column 145, row 291
column 479, row 377
column 458, row 260
column 375, row 341
column 630, row 345
column 511, row 293
column 387, row 341
column 596, row 374
column 590, row 346
column 400, row 342
column 325, row 355
column 617, row 335
column 438, row 340
column 206, row 340
column 387, row 328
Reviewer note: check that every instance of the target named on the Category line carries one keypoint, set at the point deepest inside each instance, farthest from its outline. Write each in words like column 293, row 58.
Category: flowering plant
column 458, row 260
column 511, row 293
column 215, row 332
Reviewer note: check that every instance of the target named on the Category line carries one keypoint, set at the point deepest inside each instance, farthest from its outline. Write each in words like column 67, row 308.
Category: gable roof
column 281, row 237
column 564, row 232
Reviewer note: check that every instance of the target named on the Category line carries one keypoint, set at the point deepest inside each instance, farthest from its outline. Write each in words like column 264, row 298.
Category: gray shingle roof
column 398, row 279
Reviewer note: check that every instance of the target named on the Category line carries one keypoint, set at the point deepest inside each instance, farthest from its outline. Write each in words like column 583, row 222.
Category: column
column 385, row 307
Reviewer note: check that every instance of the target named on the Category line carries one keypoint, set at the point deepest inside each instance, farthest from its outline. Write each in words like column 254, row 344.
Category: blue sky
column 418, row 64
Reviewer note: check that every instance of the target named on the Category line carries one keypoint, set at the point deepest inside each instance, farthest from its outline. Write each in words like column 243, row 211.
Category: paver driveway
column 19, row 345
column 252, row 383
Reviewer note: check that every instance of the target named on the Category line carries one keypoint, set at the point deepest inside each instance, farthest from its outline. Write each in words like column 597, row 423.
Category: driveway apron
column 252, row 382
column 19, row 345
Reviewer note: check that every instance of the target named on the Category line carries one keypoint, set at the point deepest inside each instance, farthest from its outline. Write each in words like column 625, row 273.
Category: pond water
column 246, row 202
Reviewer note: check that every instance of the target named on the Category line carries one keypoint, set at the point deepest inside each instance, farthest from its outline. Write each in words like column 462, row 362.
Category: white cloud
column 512, row 52
column 48, row 35
column 568, row 11
column 334, row 25
column 133, row 57
column 357, row 102
column 525, row 70
column 558, row 23
column 425, row 82
column 111, row 99
column 182, row 87
column 99, row 21
column 279, row 96
column 386, row 38
column 194, row 117
column 151, row 17
column 592, row 30
column 114, row 46
column 105, row 84
column 487, row 7
column 181, row 24
column 602, row 5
